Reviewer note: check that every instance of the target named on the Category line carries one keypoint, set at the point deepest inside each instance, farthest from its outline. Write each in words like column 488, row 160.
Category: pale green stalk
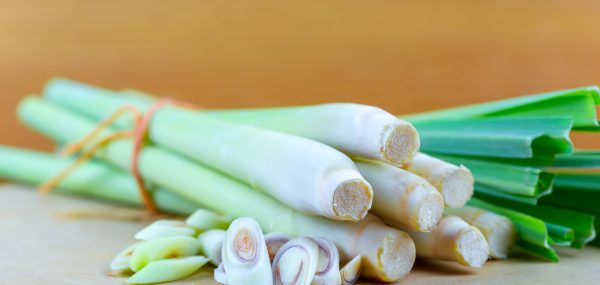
column 296, row 262
column 170, row 269
column 120, row 264
column 162, row 248
column 205, row 220
column 165, row 228
column 402, row 199
column 304, row 174
column 244, row 253
column 388, row 254
column 211, row 242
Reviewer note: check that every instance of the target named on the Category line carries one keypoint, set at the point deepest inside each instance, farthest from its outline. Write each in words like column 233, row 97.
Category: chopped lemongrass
column 510, row 178
column 455, row 240
column 211, row 243
column 165, row 228
column 328, row 267
column 120, row 263
column 497, row 137
column 296, row 262
column 204, row 219
column 388, row 254
column 170, row 269
column 358, row 130
column 304, row 174
column 401, row 198
column 220, row 275
column 454, row 182
column 274, row 242
column 498, row 230
column 577, row 103
column 244, row 253
column 351, row 271
column 532, row 232
column 162, row 248
column 92, row 178
column 560, row 235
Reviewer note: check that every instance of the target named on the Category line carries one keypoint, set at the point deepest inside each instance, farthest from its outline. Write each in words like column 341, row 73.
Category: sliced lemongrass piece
column 401, row 198
column 220, row 275
column 351, row 271
column 328, row 267
column 204, row 219
column 210, row 244
column 358, row 130
column 274, row 242
column 296, row 262
column 498, row 230
column 454, row 182
column 120, row 263
column 454, row 240
column 165, row 228
column 170, row 269
column 162, row 248
column 304, row 174
column 244, row 253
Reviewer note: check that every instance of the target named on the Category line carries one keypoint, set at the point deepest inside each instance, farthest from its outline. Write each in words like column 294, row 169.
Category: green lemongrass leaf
column 165, row 228
column 581, row 223
column 532, row 232
column 168, row 270
column 577, row 103
column 575, row 191
column 512, row 179
column 578, row 159
column 497, row 137
column 204, row 219
column 560, row 235
column 162, row 248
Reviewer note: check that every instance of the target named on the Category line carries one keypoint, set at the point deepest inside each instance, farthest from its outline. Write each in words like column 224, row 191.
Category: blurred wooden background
column 404, row 56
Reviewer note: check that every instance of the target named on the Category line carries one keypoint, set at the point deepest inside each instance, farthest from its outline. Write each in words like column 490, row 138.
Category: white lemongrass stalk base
column 401, row 198
column 350, row 272
column 456, row 183
column 211, row 243
column 352, row 200
column 296, row 262
column 244, row 252
column 498, row 230
column 454, row 240
column 274, row 242
column 165, row 228
column 328, row 267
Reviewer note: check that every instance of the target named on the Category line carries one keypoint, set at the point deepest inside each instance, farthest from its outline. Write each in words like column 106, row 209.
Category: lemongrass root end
column 352, row 200
column 401, row 144
column 457, row 187
column 472, row 248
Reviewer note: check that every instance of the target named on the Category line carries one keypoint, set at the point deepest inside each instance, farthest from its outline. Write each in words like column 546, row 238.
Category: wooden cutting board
column 68, row 240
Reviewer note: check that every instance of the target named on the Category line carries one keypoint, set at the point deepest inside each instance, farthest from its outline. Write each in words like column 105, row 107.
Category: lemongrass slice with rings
column 296, row 262
column 211, row 243
column 328, row 266
column 245, row 255
column 274, row 242
column 351, row 271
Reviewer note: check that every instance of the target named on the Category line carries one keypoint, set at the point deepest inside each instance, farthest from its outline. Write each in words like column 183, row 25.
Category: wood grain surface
column 404, row 56
column 42, row 243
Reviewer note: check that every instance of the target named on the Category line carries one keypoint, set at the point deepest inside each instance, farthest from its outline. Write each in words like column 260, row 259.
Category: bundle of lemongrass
column 349, row 174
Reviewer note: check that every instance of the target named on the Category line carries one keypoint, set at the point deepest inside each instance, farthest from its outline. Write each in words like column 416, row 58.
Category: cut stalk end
column 472, row 248
column 457, row 187
column 352, row 200
column 400, row 143
column 430, row 211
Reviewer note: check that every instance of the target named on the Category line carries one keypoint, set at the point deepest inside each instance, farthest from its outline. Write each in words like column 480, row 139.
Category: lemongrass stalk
column 454, row 182
column 244, row 253
column 306, row 175
column 120, row 264
column 498, row 230
column 401, row 198
column 162, row 248
column 211, row 243
column 388, row 254
column 220, row 275
column 560, row 235
column 351, row 271
column 204, row 219
column 328, row 264
column 358, row 130
column 93, row 178
column 170, row 269
column 296, row 262
column 165, row 228
column 454, row 240
column 274, row 242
